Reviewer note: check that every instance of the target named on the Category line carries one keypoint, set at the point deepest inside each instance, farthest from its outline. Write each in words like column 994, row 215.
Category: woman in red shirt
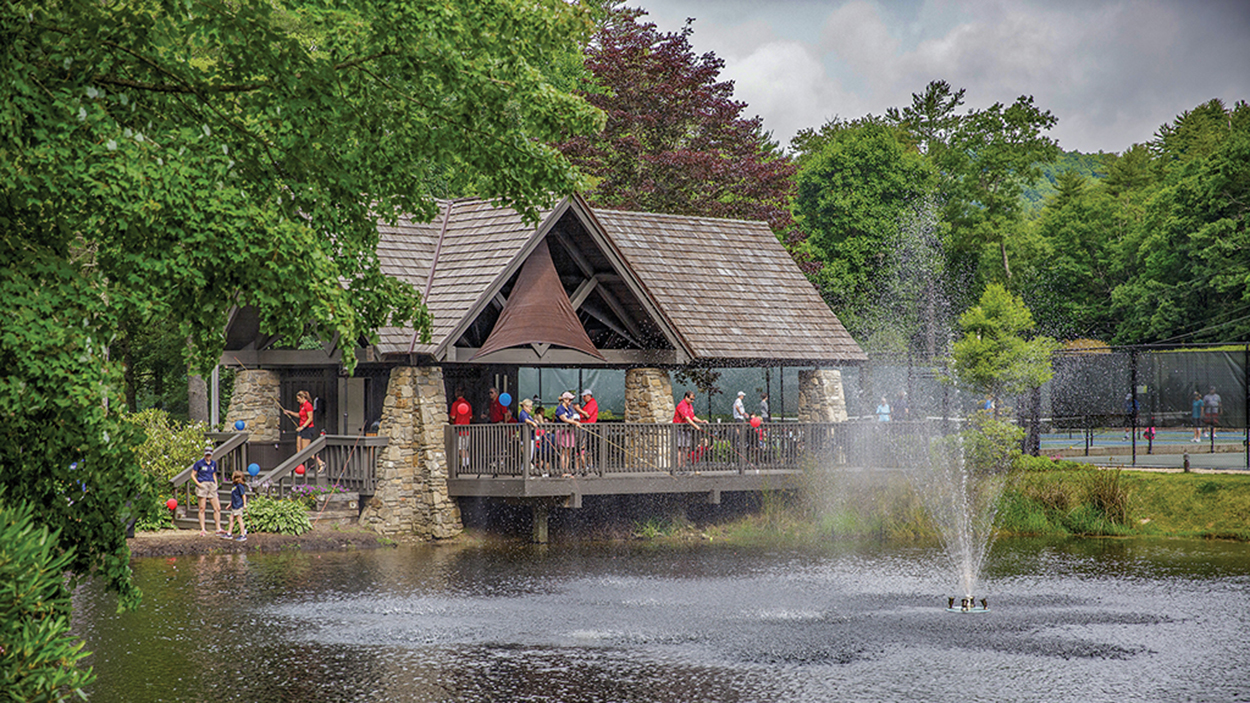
column 304, row 432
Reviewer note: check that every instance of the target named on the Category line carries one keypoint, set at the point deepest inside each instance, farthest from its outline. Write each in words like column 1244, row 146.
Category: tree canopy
column 172, row 160
column 993, row 357
column 854, row 195
column 675, row 140
column 1156, row 250
column 985, row 159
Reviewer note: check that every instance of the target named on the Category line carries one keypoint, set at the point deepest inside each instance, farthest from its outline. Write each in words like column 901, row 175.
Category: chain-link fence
column 1138, row 399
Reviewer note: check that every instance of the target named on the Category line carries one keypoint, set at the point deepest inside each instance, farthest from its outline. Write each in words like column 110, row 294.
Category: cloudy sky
column 1112, row 72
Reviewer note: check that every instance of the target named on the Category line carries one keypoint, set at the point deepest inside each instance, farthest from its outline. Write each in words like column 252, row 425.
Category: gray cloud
column 1112, row 72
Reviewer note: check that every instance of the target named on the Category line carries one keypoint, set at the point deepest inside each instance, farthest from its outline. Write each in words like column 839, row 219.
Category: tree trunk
column 197, row 398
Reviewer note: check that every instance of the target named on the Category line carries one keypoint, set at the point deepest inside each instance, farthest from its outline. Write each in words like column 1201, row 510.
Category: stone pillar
column 255, row 402
column 648, row 396
column 410, row 497
column 648, row 399
column 820, row 396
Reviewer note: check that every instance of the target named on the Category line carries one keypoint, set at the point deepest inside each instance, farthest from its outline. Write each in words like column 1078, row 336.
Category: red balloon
column 171, row 503
column 756, row 422
column 299, row 470
column 462, row 408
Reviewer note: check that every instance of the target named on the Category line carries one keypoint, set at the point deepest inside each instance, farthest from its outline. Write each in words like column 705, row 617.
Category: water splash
column 961, row 495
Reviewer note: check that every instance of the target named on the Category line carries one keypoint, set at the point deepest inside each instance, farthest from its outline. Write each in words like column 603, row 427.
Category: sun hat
column 586, row 391
column 566, row 396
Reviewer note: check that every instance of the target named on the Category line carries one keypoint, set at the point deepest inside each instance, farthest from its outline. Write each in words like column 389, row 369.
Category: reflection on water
column 1084, row 620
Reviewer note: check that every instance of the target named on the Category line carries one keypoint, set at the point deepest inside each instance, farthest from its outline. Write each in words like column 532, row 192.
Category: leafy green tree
column 993, row 357
column 1190, row 276
column 1130, row 172
column 174, row 159
column 985, row 159
column 1078, row 265
column 852, row 197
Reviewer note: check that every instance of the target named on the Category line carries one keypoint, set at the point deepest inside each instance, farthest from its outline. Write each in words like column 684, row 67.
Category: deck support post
column 713, row 497
column 539, row 512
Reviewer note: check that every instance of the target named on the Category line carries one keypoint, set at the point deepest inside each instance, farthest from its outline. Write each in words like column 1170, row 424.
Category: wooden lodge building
column 585, row 288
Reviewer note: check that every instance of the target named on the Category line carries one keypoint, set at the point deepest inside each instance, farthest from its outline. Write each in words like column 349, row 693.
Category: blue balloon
column 253, row 469
column 239, row 425
column 505, row 399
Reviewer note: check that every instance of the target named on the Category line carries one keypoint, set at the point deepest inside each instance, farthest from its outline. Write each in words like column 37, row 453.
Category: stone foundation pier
column 410, row 497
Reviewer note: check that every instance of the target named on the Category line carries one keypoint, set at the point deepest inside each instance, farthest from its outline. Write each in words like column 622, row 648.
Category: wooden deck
column 510, row 462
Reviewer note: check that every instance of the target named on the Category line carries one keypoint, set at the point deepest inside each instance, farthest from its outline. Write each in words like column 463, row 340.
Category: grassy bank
column 1041, row 498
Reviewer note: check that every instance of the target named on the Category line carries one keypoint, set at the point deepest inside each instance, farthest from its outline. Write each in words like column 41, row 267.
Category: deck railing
column 343, row 460
column 350, row 462
column 230, row 453
column 602, row 449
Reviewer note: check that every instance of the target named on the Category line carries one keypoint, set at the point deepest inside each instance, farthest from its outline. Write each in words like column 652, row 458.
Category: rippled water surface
column 1087, row 620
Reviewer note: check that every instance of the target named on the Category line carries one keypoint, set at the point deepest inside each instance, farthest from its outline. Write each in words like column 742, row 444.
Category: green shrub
column 153, row 515
column 38, row 655
column 287, row 517
column 168, row 447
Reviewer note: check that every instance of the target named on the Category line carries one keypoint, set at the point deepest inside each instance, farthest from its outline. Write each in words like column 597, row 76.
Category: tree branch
column 184, row 88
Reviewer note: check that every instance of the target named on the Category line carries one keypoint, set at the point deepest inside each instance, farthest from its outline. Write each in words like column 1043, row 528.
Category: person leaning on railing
column 526, row 417
column 684, row 415
column 566, row 437
column 588, row 413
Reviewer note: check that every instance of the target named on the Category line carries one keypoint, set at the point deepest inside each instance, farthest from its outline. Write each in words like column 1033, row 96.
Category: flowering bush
column 168, row 447
column 309, row 493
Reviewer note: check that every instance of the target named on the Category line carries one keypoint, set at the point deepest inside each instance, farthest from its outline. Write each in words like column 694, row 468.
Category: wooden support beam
column 576, row 255
column 607, row 321
column 557, row 356
column 583, row 290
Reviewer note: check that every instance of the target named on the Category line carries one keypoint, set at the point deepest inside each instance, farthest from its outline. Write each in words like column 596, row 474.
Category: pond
column 1082, row 620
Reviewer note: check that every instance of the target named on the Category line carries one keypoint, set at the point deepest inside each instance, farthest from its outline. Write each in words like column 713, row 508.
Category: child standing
column 238, row 501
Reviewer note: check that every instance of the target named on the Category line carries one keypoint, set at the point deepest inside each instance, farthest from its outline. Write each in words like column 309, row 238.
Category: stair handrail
column 234, row 441
column 285, row 468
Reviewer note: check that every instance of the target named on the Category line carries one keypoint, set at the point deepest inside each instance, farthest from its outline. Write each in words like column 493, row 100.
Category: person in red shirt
column 684, row 415
column 497, row 413
column 304, row 432
column 462, row 414
column 588, row 411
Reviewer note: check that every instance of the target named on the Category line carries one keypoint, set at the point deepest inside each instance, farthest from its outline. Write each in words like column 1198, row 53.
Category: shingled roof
column 729, row 288
column 726, row 289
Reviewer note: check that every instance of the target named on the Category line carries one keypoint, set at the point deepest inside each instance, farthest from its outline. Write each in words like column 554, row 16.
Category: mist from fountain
column 959, row 477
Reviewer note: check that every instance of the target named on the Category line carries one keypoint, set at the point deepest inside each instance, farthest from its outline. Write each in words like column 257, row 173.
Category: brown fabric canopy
column 538, row 311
